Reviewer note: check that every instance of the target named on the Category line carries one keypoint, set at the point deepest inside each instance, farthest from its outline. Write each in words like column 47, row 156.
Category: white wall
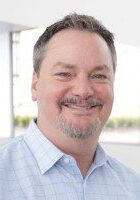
column 6, row 109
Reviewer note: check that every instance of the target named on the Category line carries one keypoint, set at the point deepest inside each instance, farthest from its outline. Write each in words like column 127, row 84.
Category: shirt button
column 66, row 160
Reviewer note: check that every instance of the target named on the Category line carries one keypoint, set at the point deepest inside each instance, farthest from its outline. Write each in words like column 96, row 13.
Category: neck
column 83, row 150
column 84, row 159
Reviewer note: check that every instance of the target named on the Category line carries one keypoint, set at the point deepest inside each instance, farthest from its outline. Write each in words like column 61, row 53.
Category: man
column 59, row 157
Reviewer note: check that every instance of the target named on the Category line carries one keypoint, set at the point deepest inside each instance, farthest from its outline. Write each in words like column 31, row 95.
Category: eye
column 63, row 74
column 99, row 76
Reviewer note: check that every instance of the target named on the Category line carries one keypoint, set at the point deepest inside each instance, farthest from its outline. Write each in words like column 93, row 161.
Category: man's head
column 74, row 65
column 74, row 22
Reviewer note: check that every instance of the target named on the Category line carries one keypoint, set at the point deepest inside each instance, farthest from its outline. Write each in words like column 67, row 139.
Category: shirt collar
column 100, row 156
column 100, row 159
column 44, row 151
column 47, row 154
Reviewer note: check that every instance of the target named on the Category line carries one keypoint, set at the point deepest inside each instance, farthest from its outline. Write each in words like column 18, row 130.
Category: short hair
column 76, row 22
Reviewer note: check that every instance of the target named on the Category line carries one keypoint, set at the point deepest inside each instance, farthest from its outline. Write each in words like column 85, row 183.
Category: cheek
column 106, row 94
column 57, row 92
column 51, row 94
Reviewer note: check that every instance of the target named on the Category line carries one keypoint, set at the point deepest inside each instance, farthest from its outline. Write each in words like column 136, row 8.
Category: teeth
column 78, row 106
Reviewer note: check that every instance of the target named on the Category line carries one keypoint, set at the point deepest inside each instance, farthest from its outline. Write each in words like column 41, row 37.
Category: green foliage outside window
column 22, row 121
column 114, row 122
column 124, row 121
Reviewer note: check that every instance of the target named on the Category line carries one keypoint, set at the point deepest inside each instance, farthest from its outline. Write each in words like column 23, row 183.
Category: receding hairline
column 73, row 21
column 48, row 46
column 74, row 30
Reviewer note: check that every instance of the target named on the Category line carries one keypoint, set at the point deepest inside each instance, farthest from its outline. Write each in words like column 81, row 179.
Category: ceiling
column 121, row 17
column 10, row 27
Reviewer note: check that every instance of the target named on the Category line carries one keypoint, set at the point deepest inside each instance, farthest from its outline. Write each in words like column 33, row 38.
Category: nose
column 82, row 87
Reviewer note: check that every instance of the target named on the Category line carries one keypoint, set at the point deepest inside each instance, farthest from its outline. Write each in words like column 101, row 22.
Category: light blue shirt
column 32, row 168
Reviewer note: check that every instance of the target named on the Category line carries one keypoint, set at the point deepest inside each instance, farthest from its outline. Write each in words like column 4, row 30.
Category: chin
column 80, row 128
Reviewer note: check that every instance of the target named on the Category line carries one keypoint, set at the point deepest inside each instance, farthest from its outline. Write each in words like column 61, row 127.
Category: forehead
column 68, row 36
column 79, row 48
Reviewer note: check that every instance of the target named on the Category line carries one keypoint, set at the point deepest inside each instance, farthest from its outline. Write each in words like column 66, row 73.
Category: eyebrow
column 63, row 64
column 102, row 67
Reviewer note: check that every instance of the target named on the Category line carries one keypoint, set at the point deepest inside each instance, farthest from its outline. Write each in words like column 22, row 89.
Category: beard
column 77, row 131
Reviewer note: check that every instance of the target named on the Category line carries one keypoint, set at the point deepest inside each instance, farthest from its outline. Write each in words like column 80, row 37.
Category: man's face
column 74, row 89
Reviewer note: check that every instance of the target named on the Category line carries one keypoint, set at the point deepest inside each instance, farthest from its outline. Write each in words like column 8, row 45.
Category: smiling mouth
column 84, row 110
column 79, row 107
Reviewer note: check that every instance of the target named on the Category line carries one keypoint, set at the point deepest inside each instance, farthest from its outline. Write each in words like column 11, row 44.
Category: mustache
column 78, row 101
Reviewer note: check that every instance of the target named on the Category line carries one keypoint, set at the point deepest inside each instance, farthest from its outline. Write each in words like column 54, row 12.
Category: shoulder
column 127, row 176
column 12, row 144
column 119, row 167
column 14, row 150
column 15, row 163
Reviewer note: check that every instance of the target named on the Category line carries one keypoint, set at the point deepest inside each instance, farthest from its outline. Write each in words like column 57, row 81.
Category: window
column 127, row 90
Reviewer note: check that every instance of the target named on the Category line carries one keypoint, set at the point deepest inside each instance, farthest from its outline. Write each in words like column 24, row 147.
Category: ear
column 34, row 86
